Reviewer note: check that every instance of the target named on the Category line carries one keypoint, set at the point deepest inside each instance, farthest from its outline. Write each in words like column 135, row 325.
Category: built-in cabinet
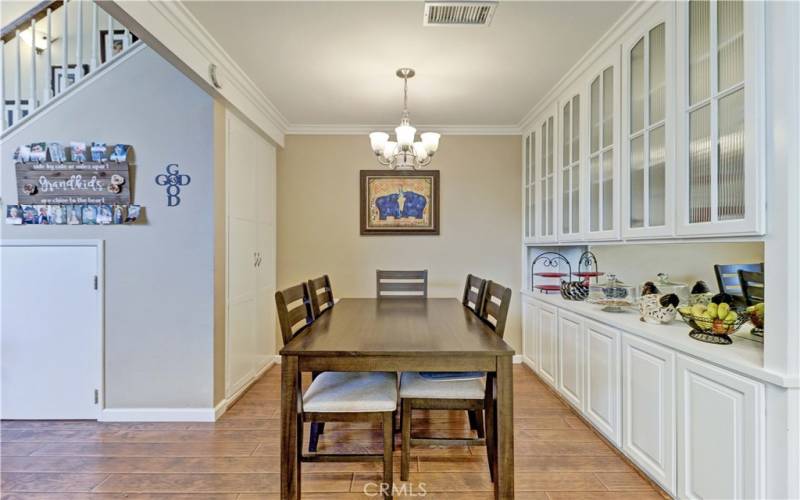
column 250, row 270
column 697, row 429
column 658, row 135
column 720, row 414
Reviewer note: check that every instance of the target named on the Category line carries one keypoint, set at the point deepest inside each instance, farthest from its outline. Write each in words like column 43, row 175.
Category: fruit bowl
column 714, row 331
column 756, row 315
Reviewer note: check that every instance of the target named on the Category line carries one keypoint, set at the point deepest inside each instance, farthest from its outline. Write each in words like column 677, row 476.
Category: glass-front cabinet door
column 603, row 156
column 569, row 168
column 530, row 195
column 546, row 168
column 648, row 124
column 720, row 138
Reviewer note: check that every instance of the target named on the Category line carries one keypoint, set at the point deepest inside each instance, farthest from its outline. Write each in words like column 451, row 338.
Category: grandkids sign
column 56, row 183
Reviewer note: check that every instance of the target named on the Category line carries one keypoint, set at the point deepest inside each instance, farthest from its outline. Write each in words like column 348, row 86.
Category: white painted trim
column 611, row 37
column 157, row 415
column 343, row 129
column 176, row 34
column 226, row 403
column 99, row 245
column 517, row 359
column 73, row 89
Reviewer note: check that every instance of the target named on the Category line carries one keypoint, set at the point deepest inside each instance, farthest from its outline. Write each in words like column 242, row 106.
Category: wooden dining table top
column 397, row 327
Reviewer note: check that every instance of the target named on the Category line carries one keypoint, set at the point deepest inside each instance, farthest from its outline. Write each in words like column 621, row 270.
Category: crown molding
column 610, row 38
column 343, row 129
column 177, row 35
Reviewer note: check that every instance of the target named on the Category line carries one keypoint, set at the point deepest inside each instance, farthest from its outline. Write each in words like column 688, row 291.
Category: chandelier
column 404, row 153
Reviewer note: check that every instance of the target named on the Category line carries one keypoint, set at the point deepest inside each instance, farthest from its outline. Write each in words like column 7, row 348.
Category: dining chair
column 752, row 285
column 728, row 278
column 338, row 396
column 474, row 289
column 401, row 284
column 420, row 393
column 321, row 294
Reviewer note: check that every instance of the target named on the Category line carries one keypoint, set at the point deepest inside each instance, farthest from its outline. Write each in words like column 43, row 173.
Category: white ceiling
column 333, row 63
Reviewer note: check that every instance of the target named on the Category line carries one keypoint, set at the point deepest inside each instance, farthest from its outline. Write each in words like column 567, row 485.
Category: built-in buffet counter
column 691, row 415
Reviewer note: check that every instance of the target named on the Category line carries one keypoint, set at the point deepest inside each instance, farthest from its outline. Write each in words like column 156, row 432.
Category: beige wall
column 318, row 225
column 683, row 262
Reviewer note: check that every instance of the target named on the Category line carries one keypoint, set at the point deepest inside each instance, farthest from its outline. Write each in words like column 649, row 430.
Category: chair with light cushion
column 338, row 396
column 321, row 294
column 474, row 289
column 475, row 393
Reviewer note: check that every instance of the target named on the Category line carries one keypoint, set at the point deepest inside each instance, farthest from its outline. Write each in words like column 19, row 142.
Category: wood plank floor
column 237, row 458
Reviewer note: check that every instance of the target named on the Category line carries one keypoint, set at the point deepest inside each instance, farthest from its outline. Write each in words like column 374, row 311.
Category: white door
column 548, row 345
column 570, row 357
column 603, row 392
column 530, row 337
column 649, row 408
column 720, row 421
column 51, row 333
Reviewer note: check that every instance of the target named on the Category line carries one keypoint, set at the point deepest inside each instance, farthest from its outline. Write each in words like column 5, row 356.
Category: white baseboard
column 517, row 359
column 157, row 415
column 223, row 405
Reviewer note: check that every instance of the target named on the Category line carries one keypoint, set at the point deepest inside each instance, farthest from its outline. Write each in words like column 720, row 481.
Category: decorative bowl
column 574, row 290
column 713, row 331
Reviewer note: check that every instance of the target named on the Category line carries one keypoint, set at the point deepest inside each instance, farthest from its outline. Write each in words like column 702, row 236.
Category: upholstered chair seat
column 414, row 385
column 351, row 392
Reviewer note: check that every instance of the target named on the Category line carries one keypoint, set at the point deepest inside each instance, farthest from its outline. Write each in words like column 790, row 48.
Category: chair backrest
column 294, row 310
column 494, row 309
column 728, row 277
column 321, row 294
column 752, row 285
column 474, row 289
column 402, row 284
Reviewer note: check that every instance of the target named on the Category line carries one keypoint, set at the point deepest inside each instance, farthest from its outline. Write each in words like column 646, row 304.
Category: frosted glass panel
column 527, row 186
column 550, row 192
column 532, row 205
column 699, row 51
column 576, row 120
column 657, row 181
column 565, row 186
column 608, row 190
column 527, row 160
column 608, row 106
column 594, row 193
column 576, row 199
column 730, row 168
column 730, row 43
column 700, row 165
column 550, row 145
column 657, row 71
column 594, row 118
column 637, row 182
column 637, row 87
column 544, row 151
column 565, row 136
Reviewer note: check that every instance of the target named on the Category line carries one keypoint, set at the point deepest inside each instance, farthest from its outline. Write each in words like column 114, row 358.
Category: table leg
column 504, row 479
column 290, row 449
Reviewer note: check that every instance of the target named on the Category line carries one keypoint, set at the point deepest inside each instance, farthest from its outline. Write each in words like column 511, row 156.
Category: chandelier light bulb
column 405, row 135
column 389, row 149
column 420, row 152
column 431, row 141
column 378, row 140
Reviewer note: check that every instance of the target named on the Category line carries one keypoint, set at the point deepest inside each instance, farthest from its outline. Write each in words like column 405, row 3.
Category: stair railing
column 56, row 58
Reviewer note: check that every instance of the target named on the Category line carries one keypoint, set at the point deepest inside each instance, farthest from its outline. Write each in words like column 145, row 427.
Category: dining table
column 397, row 335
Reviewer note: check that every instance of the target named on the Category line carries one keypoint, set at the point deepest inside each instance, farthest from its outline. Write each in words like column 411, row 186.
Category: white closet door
column 265, row 277
column 51, row 339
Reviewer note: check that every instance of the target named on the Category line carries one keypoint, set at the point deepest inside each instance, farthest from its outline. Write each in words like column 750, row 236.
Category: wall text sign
column 55, row 183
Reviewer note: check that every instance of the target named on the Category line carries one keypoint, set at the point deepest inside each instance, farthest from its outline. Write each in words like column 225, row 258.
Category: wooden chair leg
column 299, row 449
column 388, row 440
column 405, row 452
column 480, row 424
column 313, row 438
column 491, row 435
column 473, row 420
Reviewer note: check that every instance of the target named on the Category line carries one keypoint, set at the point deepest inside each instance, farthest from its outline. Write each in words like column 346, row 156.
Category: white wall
column 159, row 274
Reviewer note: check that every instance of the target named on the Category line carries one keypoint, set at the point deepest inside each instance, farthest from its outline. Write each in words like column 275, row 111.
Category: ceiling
column 333, row 63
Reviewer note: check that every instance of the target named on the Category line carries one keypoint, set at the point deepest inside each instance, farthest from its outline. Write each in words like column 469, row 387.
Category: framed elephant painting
column 399, row 202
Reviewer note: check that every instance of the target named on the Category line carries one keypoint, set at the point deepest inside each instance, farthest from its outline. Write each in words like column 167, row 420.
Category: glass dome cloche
column 613, row 295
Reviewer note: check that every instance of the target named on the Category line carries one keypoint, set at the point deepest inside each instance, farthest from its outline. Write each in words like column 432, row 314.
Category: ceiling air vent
column 459, row 13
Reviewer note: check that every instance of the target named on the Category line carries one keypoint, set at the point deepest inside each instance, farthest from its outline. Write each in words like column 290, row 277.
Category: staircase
column 36, row 47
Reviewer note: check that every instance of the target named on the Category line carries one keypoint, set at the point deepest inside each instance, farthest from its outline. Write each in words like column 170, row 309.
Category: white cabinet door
column 530, row 337
column 547, row 176
column 601, row 182
column 570, row 358
column 570, row 162
column 649, row 409
column 548, row 344
column 648, row 125
column 530, row 194
column 721, row 174
column 603, row 382
column 721, row 433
